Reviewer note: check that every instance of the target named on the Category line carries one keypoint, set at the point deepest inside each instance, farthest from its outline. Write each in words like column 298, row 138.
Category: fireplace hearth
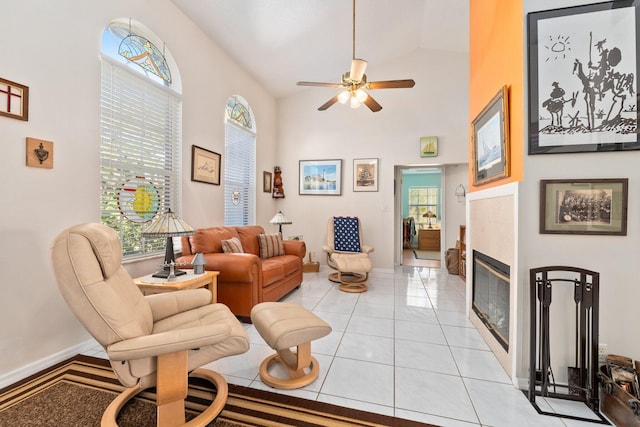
column 491, row 295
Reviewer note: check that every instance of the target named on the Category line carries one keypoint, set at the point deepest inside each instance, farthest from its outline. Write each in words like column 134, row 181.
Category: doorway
column 419, row 215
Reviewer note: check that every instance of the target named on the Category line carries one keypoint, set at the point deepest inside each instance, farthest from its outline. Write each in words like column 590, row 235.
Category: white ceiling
column 281, row 42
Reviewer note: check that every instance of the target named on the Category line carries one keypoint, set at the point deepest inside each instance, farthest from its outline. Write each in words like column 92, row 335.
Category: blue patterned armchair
column 346, row 254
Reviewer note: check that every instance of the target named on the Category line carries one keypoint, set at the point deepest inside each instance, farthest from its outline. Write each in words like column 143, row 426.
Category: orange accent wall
column 496, row 58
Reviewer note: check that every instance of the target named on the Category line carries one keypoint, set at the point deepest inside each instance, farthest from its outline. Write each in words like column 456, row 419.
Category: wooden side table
column 152, row 285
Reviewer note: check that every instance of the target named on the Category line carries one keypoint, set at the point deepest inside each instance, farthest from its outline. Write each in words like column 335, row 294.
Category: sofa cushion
column 232, row 246
column 208, row 240
column 290, row 263
column 270, row 245
column 249, row 237
column 272, row 271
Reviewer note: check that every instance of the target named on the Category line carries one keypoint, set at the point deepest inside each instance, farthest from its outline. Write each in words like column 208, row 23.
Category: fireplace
column 491, row 294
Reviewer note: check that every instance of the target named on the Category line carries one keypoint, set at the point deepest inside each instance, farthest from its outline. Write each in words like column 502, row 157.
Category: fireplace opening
column 491, row 295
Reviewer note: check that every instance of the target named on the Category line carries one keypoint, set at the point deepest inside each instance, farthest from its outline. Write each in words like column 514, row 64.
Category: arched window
column 240, row 163
column 140, row 142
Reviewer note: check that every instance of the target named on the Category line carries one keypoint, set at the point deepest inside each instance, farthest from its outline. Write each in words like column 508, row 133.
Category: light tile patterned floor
column 404, row 348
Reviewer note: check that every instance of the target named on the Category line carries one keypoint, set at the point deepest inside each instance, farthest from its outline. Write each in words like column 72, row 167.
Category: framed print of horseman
column 583, row 78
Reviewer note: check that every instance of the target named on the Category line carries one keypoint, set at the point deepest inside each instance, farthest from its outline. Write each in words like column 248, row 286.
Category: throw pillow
column 346, row 234
column 232, row 246
column 270, row 245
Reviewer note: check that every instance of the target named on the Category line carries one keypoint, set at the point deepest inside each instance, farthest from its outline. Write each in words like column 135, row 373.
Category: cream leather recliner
column 155, row 340
column 347, row 254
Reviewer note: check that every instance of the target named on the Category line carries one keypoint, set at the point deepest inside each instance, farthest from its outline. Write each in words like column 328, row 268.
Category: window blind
column 140, row 146
column 239, row 175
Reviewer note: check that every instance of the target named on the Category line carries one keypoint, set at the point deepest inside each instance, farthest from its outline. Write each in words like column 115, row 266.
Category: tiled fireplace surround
column 492, row 228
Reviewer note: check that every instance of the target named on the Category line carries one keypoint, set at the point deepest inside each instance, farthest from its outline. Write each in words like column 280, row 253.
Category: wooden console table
column 152, row 285
column 429, row 239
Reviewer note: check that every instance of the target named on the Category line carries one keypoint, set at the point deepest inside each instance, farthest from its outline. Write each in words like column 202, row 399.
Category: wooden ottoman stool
column 283, row 326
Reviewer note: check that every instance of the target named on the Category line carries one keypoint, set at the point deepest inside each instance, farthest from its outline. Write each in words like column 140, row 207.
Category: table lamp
column 280, row 219
column 168, row 225
column 429, row 215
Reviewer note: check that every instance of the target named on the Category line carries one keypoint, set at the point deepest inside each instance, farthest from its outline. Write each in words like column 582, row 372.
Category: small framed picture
column 365, row 174
column 429, row 146
column 491, row 140
column 320, row 177
column 267, row 181
column 584, row 206
column 14, row 100
column 205, row 165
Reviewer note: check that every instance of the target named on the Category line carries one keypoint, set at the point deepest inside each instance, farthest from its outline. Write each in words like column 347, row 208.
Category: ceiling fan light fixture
column 344, row 96
column 361, row 95
column 358, row 67
column 355, row 102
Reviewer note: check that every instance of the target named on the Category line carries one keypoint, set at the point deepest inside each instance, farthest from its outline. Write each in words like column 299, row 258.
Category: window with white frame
column 140, row 145
column 239, row 163
column 424, row 205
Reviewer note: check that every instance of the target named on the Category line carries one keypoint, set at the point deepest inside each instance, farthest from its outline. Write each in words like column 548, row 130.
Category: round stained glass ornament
column 138, row 199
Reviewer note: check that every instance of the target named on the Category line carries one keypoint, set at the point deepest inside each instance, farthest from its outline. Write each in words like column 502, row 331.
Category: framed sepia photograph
column 320, row 177
column 205, row 165
column 583, row 78
column 584, row 206
column 365, row 174
column 491, row 140
column 267, row 181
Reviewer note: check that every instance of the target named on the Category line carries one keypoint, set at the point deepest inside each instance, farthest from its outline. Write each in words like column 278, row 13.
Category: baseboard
column 37, row 366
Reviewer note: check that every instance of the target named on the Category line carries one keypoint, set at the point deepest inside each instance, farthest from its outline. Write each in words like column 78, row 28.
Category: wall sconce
column 460, row 193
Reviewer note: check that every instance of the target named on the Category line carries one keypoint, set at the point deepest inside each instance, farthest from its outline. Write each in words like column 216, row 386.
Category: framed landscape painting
column 584, row 206
column 491, row 140
column 320, row 177
column 583, row 78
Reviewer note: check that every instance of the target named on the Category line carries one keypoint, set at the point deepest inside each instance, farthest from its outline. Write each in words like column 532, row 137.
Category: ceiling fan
column 355, row 81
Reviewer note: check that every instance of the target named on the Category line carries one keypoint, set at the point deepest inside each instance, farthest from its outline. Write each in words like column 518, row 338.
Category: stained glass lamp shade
column 168, row 225
column 280, row 219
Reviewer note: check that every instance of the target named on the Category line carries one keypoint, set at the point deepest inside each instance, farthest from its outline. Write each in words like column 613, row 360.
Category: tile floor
column 405, row 348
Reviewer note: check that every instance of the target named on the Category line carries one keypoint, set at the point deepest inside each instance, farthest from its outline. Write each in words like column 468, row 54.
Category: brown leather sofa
column 246, row 279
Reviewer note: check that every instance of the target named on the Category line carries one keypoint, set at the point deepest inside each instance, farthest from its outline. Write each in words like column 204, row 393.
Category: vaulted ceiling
column 281, row 42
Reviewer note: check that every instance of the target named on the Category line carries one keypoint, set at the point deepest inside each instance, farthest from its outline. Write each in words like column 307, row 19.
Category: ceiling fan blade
column 357, row 69
column 319, row 84
column 391, row 84
column 372, row 104
column 328, row 104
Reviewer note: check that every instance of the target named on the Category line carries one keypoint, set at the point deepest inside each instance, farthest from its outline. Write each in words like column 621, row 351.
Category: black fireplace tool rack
column 582, row 384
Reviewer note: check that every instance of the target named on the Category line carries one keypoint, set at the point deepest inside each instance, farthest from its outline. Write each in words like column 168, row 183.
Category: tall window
column 140, row 135
column 424, row 204
column 240, row 164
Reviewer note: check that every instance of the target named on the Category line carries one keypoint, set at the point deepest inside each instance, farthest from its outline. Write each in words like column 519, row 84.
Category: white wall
column 437, row 105
column 53, row 47
column 614, row 257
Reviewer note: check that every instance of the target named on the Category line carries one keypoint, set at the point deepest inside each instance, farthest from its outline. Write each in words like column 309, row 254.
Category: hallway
column 409, row 260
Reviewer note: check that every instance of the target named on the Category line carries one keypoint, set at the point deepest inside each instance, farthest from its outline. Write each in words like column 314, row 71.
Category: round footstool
column 283, row 326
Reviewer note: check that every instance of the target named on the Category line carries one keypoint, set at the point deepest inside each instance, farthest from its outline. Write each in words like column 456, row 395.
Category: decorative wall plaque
column 39, row 153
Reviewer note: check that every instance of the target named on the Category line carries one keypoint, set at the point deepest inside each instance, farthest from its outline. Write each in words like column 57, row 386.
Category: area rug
column 432, row 255
column 77, row 391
